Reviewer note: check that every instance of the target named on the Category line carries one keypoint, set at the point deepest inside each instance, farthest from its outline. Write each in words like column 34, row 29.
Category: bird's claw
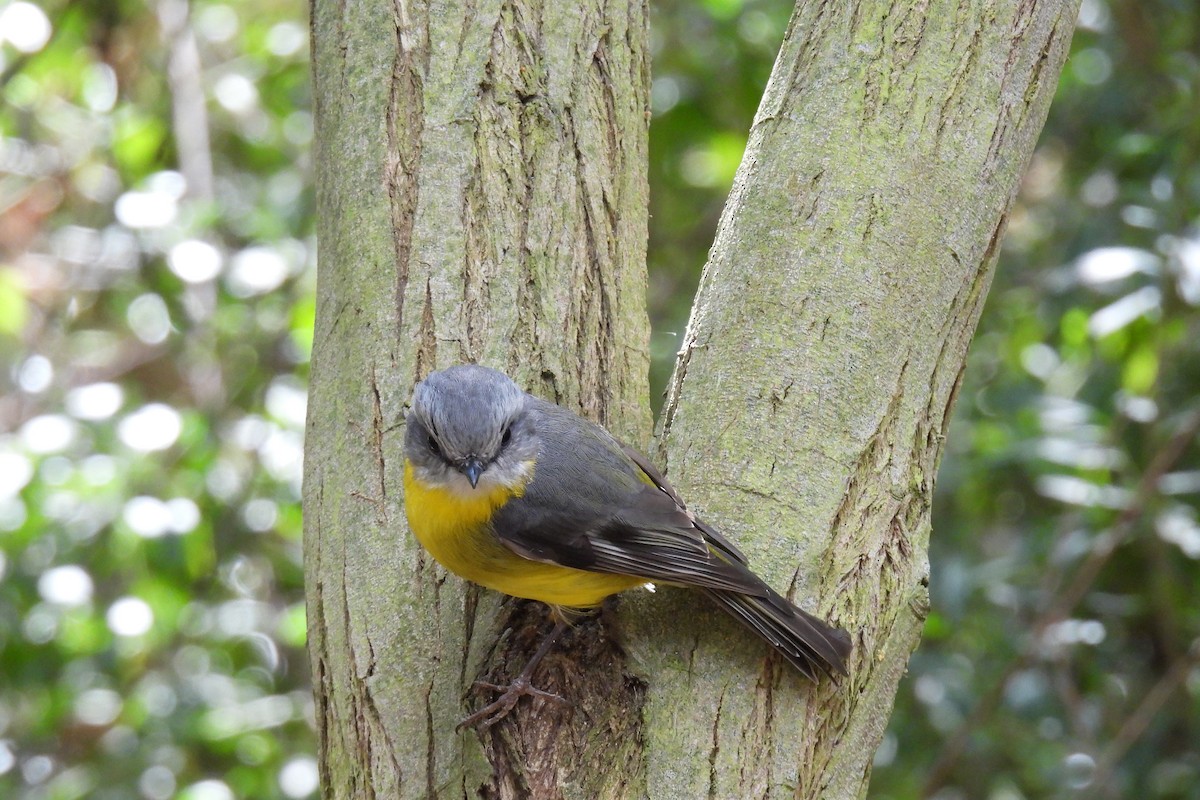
column 500, row 708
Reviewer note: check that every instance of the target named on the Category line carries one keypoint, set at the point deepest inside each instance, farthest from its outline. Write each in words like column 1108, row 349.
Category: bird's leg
column 521, row 686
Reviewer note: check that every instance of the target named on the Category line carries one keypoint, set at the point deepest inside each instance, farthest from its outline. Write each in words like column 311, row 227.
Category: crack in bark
column 318, row 643
column 757, row 742
column 930, row 433
column 591, row 301
column 1013, row 112
column 405, row 125
column 425, row 359
column 470, row 610
column 815, row 30
column 951, row 107
column 363, row 715
column 430, row 749
column 716, row 747
column 849, row 532
column 377, row 446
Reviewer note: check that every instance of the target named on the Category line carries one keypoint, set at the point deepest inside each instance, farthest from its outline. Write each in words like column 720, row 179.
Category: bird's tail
column 808, row 643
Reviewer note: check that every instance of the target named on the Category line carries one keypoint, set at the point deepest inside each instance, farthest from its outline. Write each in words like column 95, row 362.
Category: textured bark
column 810, row 400
column 481, row 197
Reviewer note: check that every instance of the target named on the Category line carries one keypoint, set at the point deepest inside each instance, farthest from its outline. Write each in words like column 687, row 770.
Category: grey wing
column 727, row 547
column 596, row 505
column 588, row 507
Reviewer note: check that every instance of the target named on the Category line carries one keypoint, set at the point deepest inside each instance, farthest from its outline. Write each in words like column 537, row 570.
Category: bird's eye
column 507, row 437
column 433, row 445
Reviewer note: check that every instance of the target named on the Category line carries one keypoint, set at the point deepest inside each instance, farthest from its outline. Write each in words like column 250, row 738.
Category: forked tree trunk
column 482, row 197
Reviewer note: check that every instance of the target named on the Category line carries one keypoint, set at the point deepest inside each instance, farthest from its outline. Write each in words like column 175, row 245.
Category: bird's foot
column 500, row 708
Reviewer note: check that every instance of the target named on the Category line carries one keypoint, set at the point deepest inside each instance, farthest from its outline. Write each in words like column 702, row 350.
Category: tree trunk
column 821, row 363
column 481, row 193
column 481, row 197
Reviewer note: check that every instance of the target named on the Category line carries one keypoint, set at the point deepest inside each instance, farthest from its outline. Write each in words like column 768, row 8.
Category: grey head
column 470, row 427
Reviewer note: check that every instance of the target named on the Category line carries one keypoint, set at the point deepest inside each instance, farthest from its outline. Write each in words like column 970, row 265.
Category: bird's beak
column 472, row 468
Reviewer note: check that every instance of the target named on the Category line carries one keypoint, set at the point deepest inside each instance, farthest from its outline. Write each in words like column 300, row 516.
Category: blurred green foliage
column 155, row 323
column 156, row 306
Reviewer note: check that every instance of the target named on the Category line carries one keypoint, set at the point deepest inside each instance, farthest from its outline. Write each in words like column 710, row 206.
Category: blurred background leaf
column 156, row 307
column 155, row 322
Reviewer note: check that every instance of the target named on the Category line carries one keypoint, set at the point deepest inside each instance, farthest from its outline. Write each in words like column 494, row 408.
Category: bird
column 526, row 497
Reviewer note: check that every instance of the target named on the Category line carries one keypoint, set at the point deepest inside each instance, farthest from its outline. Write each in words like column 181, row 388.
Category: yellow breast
column 456, row 530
